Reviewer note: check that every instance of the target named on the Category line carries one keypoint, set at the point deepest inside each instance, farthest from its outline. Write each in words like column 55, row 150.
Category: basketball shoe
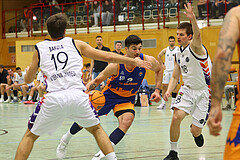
column 98, row 155
column 172, row 155
column 162, row 106
column 7, row 101
column 199, row 140
column 61, row 150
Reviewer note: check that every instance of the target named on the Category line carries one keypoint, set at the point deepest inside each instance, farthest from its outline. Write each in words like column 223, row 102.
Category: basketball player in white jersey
column 169, row 53
column 194, row 63
column 60, row 60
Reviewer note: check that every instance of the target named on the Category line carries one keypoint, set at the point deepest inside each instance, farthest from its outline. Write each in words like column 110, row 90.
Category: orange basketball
column 97, row 99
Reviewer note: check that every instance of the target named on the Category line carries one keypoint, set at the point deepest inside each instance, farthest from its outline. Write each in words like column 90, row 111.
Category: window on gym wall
column 11, row 49
column 27, row 48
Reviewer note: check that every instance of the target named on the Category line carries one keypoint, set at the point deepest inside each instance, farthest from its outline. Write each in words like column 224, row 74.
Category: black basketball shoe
column 199, row 140
column 172, row 156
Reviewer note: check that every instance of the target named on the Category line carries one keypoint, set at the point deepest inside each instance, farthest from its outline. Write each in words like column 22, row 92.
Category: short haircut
column 56, row 25
column 1, row 66
column 187, row 26
column 171, row 37
column 118, row 42
column 98, row 37
column 18, row 68
column 87, row 65
column 132, row 39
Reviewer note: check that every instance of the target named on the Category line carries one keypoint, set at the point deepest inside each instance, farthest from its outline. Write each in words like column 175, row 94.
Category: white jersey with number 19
column 61, row 64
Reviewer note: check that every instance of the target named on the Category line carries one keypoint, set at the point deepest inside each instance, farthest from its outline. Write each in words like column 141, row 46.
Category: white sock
column 2, row 97
column 111, row 156
column 9, row 97
column 163, row 102
column 15, row 98
column 24, row 98
column 30, row 98
column 66, row 137
column 174, row 146
column 173, row 100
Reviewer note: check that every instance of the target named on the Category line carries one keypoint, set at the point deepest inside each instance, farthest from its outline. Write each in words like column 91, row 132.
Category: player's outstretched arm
column 158, row 69
column 110, row 70
column 196, row 43
column 31, row 73
column 173, row 81
column 228, row 37
column 93, row 53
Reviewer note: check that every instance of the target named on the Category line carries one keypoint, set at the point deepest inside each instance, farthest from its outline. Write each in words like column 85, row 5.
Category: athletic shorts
column 166, row 76
column 232, row 148
column 194, row 102
column 56, row 106
column 116, row 102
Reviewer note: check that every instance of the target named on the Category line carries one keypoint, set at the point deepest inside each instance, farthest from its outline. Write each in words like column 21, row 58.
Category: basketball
column 97, row 99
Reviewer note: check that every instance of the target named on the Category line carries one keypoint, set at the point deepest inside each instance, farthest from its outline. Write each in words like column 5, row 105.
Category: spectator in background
column 221, row 8
column 24, row 20
column 118, row 46
column 202, row 6
column 212, row 9
column 3, row 81
column 11, row 79
column 96, row 65
column 231, row 4
column 107, row 13
column 117, row 7
column 96, row 12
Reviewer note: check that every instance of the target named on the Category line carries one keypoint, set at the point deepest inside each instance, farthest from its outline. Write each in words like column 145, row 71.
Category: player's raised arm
column 196, row 43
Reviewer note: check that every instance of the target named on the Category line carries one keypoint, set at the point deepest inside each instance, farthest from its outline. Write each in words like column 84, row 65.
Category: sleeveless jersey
column 196, row 69
column 61, row 64
column 126, row 83
column 20, row 79
column 169, row 58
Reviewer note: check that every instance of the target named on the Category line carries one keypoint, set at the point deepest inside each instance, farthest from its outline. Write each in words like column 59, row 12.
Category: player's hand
column 155, row 97
column 189, row 11
column 141, row 63
column 214, row 121
column 166, row 95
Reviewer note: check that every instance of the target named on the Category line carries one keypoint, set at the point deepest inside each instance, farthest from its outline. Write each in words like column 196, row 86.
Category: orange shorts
column 232, row 148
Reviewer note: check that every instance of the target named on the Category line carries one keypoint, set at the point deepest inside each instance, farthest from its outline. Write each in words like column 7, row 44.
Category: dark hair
column 18, row 68
column 1, row 66
column 171, row 37
column 98, row 37
column 132, row 39
column 87, row 65
column 56, row 25
column 118, row 42
column 187, row 26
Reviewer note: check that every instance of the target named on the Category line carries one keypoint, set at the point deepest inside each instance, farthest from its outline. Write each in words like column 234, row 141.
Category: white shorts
column 166, row 76
column 195, row 103
column 56, row 106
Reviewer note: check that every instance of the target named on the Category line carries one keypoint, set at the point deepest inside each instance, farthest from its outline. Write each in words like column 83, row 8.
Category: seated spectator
column 19, row 84
column 231, row 4
column 202, row 6
column 11, row 79
column 229, row 91
column 212, row 9
column 117, row 7
column 221, row 8
column 107, row 13
column 40, row 87
column 96, row 13
column 3, row 81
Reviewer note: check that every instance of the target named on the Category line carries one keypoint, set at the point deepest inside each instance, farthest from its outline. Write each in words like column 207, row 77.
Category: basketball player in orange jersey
column 119, row 93
column 229, row 36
